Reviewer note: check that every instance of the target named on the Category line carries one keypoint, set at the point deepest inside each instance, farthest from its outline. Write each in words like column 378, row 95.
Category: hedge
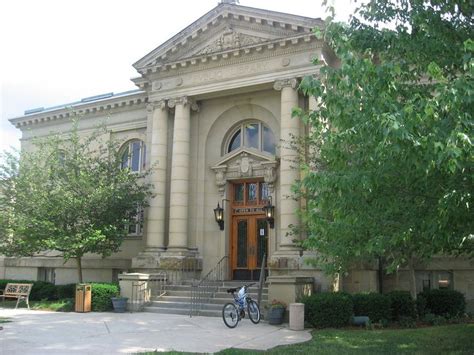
column 402, row 305
column 374, row 305
column 446, row 303
column 101, row 294
column 328, row 309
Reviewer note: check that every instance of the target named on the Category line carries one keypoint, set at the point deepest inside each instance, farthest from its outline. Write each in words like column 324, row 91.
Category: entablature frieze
column 288, row 45
column 236, row 76
column 102, row 107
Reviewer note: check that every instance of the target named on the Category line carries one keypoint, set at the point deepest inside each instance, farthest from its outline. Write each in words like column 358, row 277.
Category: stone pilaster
column 289, row 128
column 179, row 191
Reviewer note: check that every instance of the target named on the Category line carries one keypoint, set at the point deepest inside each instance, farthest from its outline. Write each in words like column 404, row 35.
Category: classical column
column 158, row 155
column 179, row 191
column 289, row 128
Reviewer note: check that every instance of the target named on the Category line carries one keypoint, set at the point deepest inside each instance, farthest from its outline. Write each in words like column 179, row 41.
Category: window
column 254, row 135
column 134, row 227
column 46, row 274
column 133, row 155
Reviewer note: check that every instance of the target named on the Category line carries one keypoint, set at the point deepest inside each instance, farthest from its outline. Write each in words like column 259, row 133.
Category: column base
column 148, row 259
column 181, row 264
column 286, row 259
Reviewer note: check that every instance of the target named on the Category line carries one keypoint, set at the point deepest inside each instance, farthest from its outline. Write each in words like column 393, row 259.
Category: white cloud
column 56, row 51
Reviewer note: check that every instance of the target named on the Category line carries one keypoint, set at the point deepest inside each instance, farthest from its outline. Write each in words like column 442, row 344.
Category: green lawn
column 450, row 339
column 65, row 305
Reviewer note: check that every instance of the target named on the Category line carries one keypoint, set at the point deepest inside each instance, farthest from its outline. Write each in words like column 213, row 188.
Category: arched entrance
column 249, row 233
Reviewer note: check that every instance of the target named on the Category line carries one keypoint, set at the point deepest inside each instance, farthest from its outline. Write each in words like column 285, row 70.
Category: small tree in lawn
column 69, row 194
column 392, row 171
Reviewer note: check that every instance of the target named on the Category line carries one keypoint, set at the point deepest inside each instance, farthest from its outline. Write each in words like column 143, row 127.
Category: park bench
column 21, row 292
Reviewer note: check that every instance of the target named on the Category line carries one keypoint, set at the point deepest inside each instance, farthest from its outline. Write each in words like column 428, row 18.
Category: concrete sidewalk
column 40, row 332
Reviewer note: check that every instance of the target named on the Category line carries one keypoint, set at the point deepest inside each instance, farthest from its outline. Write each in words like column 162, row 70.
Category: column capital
column 161, row 104
column 284, row 83
column 185, row 101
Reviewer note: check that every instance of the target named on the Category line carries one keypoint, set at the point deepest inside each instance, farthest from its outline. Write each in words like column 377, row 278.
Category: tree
column 69, row 194
column 390, row 174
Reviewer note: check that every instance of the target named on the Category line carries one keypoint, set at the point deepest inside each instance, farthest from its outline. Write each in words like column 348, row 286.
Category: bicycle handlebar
column 232, row 290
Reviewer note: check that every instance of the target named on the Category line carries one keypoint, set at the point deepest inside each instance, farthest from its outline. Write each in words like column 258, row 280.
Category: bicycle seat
column 231, row 290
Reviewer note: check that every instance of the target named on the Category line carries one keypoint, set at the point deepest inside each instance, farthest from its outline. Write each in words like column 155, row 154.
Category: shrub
column 101, row 294
column 40, row 291
column 434, row 319
column 407, row 322
column 374, row 305
column 66, row 291
column 421, row 306
column 328, row 309
column 448, row 303
column 402, row 305
column 43, row 291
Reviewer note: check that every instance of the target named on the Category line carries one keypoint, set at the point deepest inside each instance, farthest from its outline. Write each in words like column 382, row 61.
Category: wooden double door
column 249, row 236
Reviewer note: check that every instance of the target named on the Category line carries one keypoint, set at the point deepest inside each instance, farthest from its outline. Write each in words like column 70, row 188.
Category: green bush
column 407, row 322
column 421, row 306
column 447, row 303
column 402, row 305
column 66, row 291
column 328, row 309
column 101, row 294
column 433, row 319
column 43, row 291
column 374, row 305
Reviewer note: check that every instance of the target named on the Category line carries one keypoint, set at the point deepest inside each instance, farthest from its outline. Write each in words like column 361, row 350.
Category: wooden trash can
column 83, row 298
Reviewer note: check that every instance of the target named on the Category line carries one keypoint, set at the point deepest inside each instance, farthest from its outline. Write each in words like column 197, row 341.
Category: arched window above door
column 251, row 134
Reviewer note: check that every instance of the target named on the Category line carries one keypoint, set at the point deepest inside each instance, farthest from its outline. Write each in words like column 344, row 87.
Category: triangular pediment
column 245, row 163
column 225, row 28
column 236, row 157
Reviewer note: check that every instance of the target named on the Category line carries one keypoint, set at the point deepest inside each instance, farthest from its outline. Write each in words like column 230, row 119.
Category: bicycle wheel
column 253, row 311
column 230, row 315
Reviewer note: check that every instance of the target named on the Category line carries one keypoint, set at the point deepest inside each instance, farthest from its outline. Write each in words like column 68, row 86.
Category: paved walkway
column 40, row 332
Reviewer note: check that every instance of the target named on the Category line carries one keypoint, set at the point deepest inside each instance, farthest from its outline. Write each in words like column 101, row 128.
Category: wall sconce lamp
column 219, row 214
column 270, row 212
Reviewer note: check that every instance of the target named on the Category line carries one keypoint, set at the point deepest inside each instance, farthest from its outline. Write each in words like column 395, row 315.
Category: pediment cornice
column 245, row 163
column 227, row 31
column 67, row 111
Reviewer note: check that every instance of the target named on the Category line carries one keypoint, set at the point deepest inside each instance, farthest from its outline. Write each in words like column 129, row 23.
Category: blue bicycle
column 232, row 313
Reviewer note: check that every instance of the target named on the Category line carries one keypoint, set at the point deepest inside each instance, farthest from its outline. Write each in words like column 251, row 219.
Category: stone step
column 177, row 299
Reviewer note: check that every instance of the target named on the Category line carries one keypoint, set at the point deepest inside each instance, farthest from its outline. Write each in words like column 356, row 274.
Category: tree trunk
column 79, row 268
column 411, row 269
column 336, row 282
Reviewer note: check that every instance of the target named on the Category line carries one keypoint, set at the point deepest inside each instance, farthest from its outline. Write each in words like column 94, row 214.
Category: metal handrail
column 261, row 279
column 206, row 288
column 157, row 284
column 140, row 296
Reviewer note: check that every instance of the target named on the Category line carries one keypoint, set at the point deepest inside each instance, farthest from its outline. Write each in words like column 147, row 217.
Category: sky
column 59, row 51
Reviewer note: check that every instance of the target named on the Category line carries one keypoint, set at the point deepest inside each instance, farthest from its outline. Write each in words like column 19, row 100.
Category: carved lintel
column 221, row 178
column 269, row 174
column 245, row 166
column 284, row 83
